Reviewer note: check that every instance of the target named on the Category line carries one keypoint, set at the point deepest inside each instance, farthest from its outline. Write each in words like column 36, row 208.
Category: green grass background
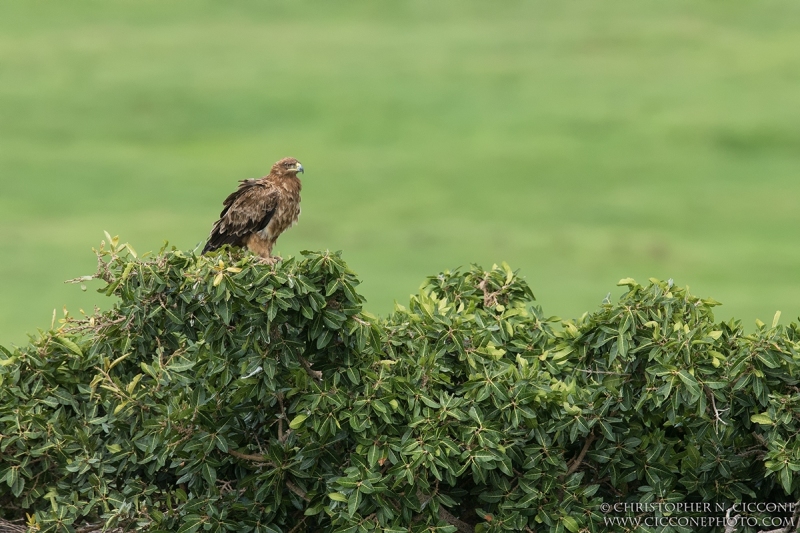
column 580, row 141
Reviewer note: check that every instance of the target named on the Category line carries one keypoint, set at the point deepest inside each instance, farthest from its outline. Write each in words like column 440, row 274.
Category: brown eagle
column 259, row 211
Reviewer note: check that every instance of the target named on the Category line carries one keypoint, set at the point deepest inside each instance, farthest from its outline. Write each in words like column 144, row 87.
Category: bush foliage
column 221, row 394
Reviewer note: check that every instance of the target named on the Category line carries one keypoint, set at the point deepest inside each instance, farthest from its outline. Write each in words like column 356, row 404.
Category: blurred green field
column 581, row 142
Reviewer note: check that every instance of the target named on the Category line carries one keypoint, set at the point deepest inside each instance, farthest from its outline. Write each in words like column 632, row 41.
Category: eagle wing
column 247, row 210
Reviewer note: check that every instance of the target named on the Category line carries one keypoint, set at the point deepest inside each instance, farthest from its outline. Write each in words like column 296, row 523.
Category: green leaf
column 181, row 365
column 114, row 448
column 691, row 384
column 191, row 523
column 18, row 487
column 762, row 419
column 71, row 346
column 570, row 524
column 209, row 474
column 373, row 455
column 297, row 422
column 353, row 502
column 786, row 480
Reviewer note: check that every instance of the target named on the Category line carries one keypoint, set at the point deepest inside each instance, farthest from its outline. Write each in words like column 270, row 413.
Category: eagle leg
column 263, row 248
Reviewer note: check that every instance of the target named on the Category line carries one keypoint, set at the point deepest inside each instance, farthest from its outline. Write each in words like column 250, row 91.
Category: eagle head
column 288, row 166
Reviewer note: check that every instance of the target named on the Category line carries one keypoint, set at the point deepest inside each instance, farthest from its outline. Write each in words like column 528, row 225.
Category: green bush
column 221, row 394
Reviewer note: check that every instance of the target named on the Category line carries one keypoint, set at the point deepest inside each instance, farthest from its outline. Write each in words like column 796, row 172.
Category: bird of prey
column 259, row 211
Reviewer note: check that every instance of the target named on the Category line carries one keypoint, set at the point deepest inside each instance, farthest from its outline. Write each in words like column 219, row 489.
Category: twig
column 91, row 528
column 8, row 526
column 779, row 530
column 298, row 526
column 423, row 499
column 461, row 526
column 225, row 486
column 760, row 439
column 748, row 453
column 80, row 279
column 281, row 436
column 755, row 450
column 314, row 374
column 576, row 463
column 788, row 527
column 103, row 271
column 602, row 372
column 262, row 459
column 297, row 490
column 717, row 412
column 489, row 298
column 730, row 523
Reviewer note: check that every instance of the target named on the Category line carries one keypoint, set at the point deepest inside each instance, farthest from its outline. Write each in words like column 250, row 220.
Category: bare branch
column 717, row 412
column 281, row 436
column 296, row 528
column 17, row 526
column 601, row 372
column 262, row 459
column 297, row 490
column 489, row 298
column 788, row 528
column 730, row 522
column 576, row 463
column 313, row 374
column 362, row 322
column 461, row 526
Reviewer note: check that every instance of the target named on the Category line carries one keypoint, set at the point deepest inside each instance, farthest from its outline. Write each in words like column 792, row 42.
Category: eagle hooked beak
column 299, row 168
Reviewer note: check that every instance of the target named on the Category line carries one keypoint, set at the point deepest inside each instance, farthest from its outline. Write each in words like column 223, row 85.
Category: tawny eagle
column 259, row 211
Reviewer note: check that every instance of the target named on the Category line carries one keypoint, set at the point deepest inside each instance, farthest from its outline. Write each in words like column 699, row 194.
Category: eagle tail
column 219, row 238
column 208, row 248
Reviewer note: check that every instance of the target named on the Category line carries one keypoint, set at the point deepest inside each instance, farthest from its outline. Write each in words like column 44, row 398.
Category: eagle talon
column 270, row 260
